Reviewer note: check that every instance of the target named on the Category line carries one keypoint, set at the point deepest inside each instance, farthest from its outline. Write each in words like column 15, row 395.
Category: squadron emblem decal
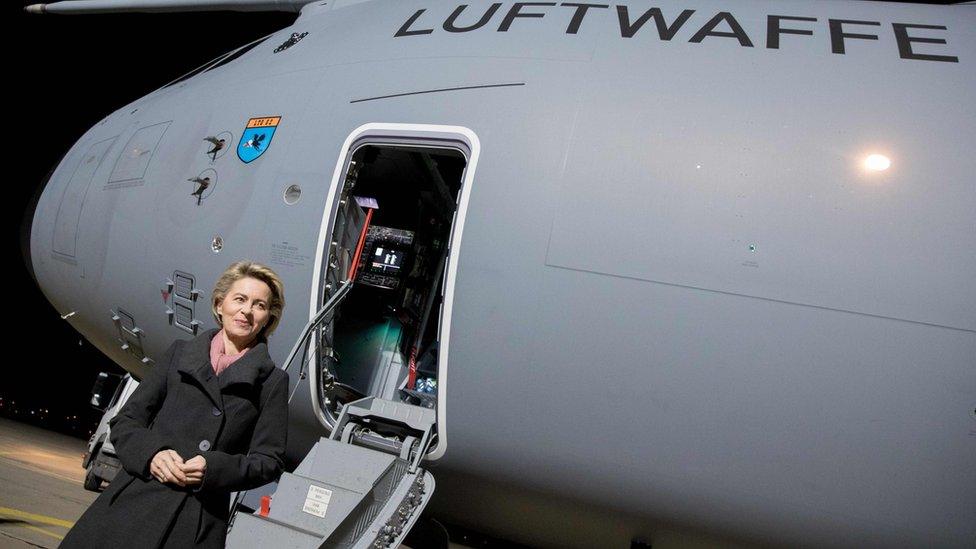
column 257, row 137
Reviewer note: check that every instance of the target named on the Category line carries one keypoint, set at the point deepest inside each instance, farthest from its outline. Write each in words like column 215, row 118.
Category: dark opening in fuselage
column 392, row 233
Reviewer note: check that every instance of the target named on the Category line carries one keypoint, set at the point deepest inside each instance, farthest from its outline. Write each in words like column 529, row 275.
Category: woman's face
column 245, row 310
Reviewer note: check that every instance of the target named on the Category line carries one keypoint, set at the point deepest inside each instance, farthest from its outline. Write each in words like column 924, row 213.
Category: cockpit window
column 219, row 61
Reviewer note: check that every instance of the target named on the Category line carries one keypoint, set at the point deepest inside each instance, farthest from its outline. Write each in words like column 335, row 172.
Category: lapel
column 254, row 365
column 195, row 364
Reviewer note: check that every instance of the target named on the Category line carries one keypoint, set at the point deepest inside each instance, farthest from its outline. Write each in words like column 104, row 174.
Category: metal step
column 363, row 491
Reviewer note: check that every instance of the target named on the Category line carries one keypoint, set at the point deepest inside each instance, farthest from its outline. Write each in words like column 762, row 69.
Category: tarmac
column 41, row 492
column 41, row 486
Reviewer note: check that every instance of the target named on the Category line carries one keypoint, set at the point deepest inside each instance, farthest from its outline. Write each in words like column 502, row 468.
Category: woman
column 210, row 418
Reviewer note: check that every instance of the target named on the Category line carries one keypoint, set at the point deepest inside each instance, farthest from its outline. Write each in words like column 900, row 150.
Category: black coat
column 237, row 421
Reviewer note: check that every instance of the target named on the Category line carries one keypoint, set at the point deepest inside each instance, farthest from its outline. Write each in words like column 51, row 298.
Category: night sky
column 68, row 73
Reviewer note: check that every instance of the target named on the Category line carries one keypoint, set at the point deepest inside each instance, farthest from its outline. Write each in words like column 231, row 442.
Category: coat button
column 216, row 411
column 204, row 445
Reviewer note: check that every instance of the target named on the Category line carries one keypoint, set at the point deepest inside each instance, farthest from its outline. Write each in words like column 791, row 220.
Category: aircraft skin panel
column 141, row 231
column 679, row 299
column 43, row 233
column 762, row 191
column 824, row 425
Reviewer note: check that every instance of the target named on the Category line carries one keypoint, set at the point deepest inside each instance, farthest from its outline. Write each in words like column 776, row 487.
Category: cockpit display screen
column 387, row 260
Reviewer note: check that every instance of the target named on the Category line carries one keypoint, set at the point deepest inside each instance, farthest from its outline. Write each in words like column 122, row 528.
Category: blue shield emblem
column 257, row 137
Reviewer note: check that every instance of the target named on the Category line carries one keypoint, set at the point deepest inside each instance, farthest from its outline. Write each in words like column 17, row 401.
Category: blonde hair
column 251, row 269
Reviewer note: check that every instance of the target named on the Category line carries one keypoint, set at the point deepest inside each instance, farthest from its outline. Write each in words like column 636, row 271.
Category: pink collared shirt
column 218, row 359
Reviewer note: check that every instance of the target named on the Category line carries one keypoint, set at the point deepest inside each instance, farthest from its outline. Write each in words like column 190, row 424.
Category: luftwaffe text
column 915, row 41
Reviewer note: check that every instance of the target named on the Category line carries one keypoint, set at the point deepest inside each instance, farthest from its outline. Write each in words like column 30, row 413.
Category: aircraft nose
column 28, row 221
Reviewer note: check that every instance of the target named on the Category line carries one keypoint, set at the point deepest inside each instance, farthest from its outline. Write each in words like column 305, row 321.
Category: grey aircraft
column 683, row 272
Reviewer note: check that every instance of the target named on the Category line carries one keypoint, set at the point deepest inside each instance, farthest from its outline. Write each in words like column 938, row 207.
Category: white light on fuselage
column 877, row 162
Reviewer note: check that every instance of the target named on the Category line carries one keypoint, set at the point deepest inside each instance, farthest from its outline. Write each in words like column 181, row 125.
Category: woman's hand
column 167, row 466
column 194, row 468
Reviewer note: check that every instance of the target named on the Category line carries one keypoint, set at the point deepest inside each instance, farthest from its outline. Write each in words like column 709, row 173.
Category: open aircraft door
column 370, row 355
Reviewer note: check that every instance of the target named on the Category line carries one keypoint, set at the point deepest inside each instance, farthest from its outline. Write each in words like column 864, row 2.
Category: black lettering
column 709, row 30
column 449, row 24
column 905, row 43
column 773, row 30
column 403, row 30
column 837, row 34
column 665, row 32
column 516, row 12
column 581, row 9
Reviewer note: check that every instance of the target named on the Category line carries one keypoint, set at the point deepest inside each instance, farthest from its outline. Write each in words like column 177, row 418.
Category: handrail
column 332, row 303
column 313, row 323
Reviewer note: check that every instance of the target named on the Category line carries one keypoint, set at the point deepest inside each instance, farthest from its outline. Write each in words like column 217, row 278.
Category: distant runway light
column 877, row 162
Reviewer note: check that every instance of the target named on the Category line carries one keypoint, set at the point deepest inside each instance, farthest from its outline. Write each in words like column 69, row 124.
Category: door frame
column 380, row 133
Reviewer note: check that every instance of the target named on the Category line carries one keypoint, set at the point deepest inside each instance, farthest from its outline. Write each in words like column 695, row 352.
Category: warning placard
column 317, row 501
